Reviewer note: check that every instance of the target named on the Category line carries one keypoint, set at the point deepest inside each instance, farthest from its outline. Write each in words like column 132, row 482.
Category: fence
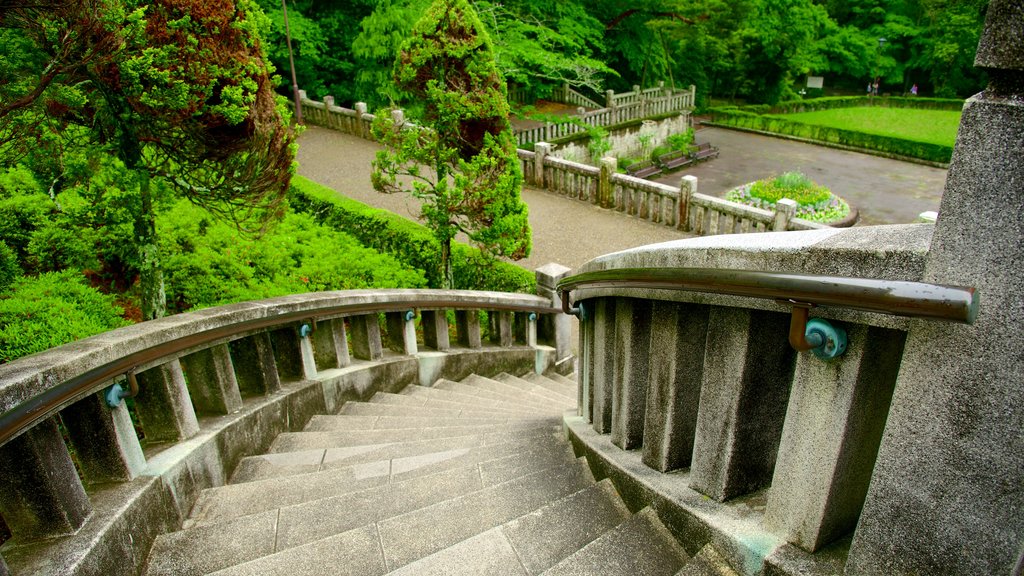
column 680, row 207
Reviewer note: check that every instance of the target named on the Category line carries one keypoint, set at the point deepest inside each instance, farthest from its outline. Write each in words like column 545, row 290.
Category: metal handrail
column 895, row 297
column 44, row 405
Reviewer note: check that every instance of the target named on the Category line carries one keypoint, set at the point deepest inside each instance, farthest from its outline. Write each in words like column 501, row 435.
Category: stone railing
column 82, row 494
column 680, row 207
column 771, row 451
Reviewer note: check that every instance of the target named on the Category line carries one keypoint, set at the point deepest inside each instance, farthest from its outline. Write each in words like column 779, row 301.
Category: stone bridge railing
column 88, row 479
column 694, row 400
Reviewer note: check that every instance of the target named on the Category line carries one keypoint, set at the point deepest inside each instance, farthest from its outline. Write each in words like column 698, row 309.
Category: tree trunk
column 151, row 277
column 447, row 272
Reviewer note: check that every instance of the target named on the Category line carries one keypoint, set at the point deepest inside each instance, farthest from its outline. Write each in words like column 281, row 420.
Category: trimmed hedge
column 831, row 102
column 740, row 118
column 407, row 241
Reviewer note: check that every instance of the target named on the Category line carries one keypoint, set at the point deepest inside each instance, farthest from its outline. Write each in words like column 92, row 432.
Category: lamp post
column 878, row 66
column 291, row 62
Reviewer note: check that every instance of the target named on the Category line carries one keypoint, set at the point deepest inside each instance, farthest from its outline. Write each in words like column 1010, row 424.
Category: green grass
column 931, row 126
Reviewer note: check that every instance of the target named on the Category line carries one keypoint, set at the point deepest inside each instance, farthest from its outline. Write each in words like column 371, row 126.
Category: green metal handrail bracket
column 799, row 291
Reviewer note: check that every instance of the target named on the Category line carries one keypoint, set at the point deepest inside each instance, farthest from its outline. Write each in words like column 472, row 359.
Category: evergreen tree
column 448, row 63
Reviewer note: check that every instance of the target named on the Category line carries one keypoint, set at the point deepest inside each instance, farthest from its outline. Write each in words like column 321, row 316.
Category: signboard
column 815, row 81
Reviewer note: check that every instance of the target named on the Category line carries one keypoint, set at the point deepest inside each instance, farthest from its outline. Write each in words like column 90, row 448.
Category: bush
column 814, row 202
column 208, row 262
column 408, row 242
column 50, row 310
column 59, row 246
column 9, row 269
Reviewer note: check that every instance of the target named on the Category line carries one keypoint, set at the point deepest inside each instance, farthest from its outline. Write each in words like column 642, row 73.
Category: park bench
column 643, row 169
column 704, row 151
column 674, row 159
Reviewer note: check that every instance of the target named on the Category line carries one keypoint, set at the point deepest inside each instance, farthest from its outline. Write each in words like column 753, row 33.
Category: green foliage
column 51, row 310
column 9, row 269
column 209, row 263
column 814, row 202
column 448, row 64
column 410, row 243
column 56, row 247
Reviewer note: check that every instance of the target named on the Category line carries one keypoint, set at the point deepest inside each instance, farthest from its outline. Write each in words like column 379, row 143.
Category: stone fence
column 82, row 494
column 680, row 207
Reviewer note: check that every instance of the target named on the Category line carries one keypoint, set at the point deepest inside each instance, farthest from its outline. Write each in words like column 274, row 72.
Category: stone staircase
column 470, row 477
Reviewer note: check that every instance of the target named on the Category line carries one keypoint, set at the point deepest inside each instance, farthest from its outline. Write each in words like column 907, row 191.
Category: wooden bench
column 643, row 169
column 704, row 151
column 674, row 159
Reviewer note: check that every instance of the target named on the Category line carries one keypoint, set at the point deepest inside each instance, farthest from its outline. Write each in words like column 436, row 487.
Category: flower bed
column 814, row 202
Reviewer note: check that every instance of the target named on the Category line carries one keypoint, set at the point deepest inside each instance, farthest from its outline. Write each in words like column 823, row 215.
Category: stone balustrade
column 87, row 476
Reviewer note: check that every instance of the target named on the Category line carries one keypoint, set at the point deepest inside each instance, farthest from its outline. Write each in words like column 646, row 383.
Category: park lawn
column 931, row 126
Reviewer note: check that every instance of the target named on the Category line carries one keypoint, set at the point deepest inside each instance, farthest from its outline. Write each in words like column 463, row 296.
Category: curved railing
column 213, row 386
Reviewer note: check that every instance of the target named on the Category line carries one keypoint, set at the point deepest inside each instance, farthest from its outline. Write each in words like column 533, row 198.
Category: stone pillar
column 104, row 440
column 687, row 188
column 360, row 108
column 255, row 366
column 398, row 118
column 785, row 211
column 328, row 101
column 467, row 326
column 554, row 329
column 306, row 353
column 632, row 371
column 947, row 484
column 678, row 335
column 330, row 349
column 163, row 404
column 402, row 332
column 609, row 98
column 605, row 186
column 585, row 376
column 603, row 375
column 211, row 380
column 41, row 495
column 834, row 422
column 520, row 327
column 541, row 150
column 366, row 344
column 435, row 329
column 748, row 369
column 500, row 328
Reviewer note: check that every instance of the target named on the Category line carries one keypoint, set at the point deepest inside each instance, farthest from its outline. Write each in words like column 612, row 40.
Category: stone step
column 569, row 379
column 529, row 383
column 512, row 397
column 279, row 464
column 350, row 422
column 491, row 387
column 298, row 441
column 708, row 562
column 556, row 386
column 515, row 386
column 353, row 553
column 382, row 409
column 398, row 539
column 537, row 540
column 449, row 402
column 412, row 536
column 465, row 398
column 233, row 500
column 640, row 545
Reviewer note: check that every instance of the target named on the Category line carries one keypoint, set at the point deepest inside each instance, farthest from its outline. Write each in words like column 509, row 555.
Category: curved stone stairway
column 470, row 477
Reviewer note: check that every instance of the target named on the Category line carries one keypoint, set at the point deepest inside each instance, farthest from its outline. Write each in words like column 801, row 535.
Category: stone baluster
column 293, row 353
column 785, row 212
column 163, row 404
column 361, row 127
column 255, row 365
column 748, row 369
column 41, row 495
column 366, row 342
column 632, row 371
column 467, row 326
column 402, row 332
column 211, row 380
column 541, row 151
column 554, row 329
column 435, row 329
column 104, row 440
column 687, row 188
column 609, row 167
column 330, row 346
column 500, row 328
column 602, row 380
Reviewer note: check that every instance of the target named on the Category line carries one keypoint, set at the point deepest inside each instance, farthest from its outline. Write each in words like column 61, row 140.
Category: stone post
column 360, row 108
column 947, row 485
column 398, row 118
column 163, row 404
column 306, row 353
column 330, row 349
column 632, row 371
column 541, row 150
column 288, row 354
column 435, row 329
column 605, row 186
column 785, row 211
column 609, row 98
column 255, row 365
column 366, row 343
column 687, row 188
column 104, row 440
column 555, row 329
column 603, row 374
column 41, row 495
column 467, row 326
column 211, row 380
column 500, row 328
column 302, row 95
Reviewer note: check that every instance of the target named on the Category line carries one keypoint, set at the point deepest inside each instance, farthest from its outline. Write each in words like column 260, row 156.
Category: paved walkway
column 885, row 191
column 569, row 232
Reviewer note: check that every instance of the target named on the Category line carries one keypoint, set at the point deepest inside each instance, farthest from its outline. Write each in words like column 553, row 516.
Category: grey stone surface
column 617, row 552
column 366, row 340
column 557, row 386
column 632, row 371
column 372, row 409
column 409, row 537
column 834, row 423
column 430, row 398
column 708, row 562
column 496, row 391
column 304, row 441
column 534, row 390
column 205, row 550
column 104, row 440
column 602, row 381
column 554, row 329
column 489, row 553
column 435, row 329
column 211, row 381
column 1002, row 42
column 354, row 553
column 467, row 326
column 255, row 366
column 947, row 483
column 748, row 369
column 41, row 495
column 549, row 534
column 678, row 336
column 163, row 404
column 288, row 355
column 330, row 348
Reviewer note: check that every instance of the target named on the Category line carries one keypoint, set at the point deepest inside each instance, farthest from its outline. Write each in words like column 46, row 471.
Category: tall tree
column 448, row 63
column 178, row 91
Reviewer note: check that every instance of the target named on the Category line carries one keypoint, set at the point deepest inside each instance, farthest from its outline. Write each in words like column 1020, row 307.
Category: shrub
column 50, row 310
column 9, row 269
column 60, row 246
column 814, row 202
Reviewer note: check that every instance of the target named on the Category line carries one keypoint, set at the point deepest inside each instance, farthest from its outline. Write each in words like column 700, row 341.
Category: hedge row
column 885, row 144
column 832, row 102
column 407, row 241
